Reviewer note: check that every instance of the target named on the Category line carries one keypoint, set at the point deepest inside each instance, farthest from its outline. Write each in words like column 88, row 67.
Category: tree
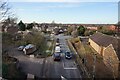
column 10, row 20
column 100, row 28
column 37, row 39
column 87, row 33
column 81, row 30
column 30, row 26
column 22, row 26
column 74, row 33
column 70, row 29
column 5, row 10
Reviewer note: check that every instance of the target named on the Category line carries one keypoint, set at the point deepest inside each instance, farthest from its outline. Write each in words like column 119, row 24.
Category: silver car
column 20, row 48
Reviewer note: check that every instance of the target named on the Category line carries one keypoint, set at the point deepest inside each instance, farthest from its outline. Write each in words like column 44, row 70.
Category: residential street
column 47, row 67
column 65, row 68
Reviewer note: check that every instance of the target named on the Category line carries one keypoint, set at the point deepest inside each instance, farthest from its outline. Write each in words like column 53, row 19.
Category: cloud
column 63, row 0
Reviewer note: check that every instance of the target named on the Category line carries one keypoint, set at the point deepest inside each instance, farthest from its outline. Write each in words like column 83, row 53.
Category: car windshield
column 56, row 54
column 68, row 53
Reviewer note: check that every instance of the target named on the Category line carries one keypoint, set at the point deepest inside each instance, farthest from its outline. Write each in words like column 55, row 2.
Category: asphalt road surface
column 66, row 68
column 47, row 67
column 27, row 64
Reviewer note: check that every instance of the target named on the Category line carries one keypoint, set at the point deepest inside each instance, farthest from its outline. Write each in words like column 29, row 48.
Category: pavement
column 47, row 67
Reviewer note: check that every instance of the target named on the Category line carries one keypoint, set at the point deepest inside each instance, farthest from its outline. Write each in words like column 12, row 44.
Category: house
column 92, row 28
column 11, row 29
column 112, row 60
column 50, row 28
column 109, row 48
column 118, row 29
column 111, row 27
column 37, row 27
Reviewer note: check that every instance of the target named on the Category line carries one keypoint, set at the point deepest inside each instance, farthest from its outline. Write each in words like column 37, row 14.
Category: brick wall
column 111, row 60
column 95, row 46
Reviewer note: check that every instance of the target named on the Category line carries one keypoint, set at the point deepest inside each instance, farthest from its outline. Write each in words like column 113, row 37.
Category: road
column 47, row 67
column 27, row 64
column 66, row 68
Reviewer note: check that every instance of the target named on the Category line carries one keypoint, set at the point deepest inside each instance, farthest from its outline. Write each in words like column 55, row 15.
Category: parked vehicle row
column 57, row 53
column 57, row 56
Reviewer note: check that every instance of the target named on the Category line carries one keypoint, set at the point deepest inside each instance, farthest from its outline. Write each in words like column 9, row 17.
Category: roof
column 56, row 54
column 105, row 40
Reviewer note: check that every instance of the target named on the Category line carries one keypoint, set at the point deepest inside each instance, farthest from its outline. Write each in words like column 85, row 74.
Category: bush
column 7, row 39
column 9, row 69
column 37, row 39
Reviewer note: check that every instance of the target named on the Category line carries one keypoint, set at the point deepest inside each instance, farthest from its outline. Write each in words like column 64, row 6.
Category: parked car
column 57, row 44
column 68, row 55
column 20, row 48
column 57, row 56
column 57, row 40
column 57, row 49
column 29, row 49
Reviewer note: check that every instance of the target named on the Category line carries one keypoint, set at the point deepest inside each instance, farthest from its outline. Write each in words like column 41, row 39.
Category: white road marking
column 70, row 68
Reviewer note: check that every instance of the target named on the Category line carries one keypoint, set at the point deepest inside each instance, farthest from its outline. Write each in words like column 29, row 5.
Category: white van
column 57, row 49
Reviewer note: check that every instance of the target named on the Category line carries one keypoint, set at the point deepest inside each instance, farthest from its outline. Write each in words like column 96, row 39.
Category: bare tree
column 4, row 10
column 74, row 33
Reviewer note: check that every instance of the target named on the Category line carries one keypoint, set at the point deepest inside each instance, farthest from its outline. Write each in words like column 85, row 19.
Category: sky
column 66, row 12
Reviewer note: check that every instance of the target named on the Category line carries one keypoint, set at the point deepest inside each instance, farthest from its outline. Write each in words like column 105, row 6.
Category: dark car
column 57, row 40
column 68, row 55
column 57, row 56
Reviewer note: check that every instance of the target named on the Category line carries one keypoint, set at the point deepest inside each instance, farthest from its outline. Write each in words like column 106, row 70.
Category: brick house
column 118, row 29
column 112, row 27
column 109, row 48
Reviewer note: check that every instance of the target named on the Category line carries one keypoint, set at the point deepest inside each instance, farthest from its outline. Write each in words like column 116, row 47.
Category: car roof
column 67, row 51
column 57, row 54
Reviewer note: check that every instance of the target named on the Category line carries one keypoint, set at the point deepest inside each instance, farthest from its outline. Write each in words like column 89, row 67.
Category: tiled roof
column 106, row 40
column 103, row 40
